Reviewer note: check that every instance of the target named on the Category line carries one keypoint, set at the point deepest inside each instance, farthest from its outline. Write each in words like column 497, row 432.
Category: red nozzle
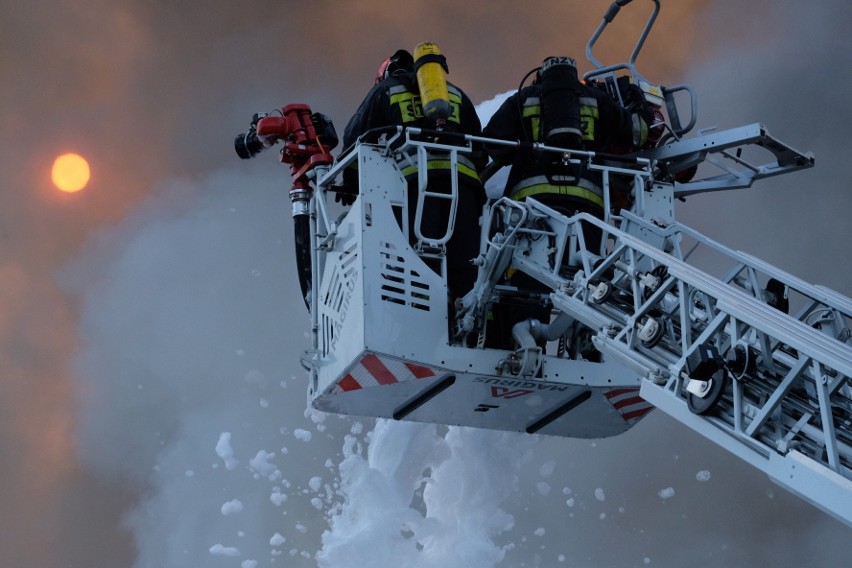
column 303, row 148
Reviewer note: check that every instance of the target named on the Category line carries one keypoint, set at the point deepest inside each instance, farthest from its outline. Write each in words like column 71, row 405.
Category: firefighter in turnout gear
column 559, row 110
column 397, row 100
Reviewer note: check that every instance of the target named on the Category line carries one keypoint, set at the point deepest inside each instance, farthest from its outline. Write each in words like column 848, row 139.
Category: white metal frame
column 651, row 306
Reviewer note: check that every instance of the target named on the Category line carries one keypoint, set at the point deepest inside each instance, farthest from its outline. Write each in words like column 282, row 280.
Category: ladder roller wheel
column 704, row 404
column 652, row 332
column 601, row 292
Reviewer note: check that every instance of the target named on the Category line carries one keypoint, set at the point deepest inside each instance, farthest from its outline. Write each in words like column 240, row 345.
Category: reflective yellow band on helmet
column 546, row 188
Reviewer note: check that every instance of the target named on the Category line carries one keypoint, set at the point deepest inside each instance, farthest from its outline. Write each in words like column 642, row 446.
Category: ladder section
column 754, row 358
column 731, row 159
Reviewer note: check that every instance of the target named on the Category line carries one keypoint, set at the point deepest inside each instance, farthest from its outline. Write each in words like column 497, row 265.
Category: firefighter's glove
column 345, row 196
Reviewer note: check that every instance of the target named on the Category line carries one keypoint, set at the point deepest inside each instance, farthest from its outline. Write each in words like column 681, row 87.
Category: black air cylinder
column 560, row 102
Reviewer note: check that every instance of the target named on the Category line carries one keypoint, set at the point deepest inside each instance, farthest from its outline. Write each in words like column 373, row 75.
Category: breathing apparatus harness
column 559, row 103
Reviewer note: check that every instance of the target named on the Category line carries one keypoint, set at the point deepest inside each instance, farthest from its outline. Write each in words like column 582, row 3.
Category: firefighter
column 559, row 110
column 396, row 100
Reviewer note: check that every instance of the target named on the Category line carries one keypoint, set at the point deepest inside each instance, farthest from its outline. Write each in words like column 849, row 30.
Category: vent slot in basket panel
column 401, row 284
column 336, row 299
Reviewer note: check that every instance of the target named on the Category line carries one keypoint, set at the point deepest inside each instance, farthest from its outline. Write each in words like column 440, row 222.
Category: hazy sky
column 158, row 308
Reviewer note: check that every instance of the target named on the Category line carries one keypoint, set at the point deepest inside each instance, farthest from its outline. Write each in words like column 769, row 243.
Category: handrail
column 613, row 10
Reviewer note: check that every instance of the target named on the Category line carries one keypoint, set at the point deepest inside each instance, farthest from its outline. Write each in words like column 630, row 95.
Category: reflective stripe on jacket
column 605, row 127
column 437, row 161
column 411, row 108
column 411, row 111
column 538, row 185
column 396, row 102
column 589, row 116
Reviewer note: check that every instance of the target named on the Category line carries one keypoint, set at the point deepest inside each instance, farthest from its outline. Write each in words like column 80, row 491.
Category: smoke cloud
column 152, row 408
column 782, row 73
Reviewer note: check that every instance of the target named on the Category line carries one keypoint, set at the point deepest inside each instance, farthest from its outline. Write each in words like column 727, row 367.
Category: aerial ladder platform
column 644, row 312
column 753, row 358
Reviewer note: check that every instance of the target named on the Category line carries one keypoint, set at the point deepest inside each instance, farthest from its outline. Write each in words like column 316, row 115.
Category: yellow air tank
column 432, row 80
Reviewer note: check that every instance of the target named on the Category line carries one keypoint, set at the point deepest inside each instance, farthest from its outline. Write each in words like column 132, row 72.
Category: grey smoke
column 191, row 331
column 190, row 318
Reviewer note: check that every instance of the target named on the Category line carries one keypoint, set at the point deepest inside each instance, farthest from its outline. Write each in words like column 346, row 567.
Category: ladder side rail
column 816, row 299
column 838, row 380
column 826, row 438
column 822, row 296
column 817, row 292
column 800, row 474
column 732, row 306
column 792, row 332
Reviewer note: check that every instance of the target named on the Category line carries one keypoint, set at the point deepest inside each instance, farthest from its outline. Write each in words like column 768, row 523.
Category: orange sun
column 70, row 172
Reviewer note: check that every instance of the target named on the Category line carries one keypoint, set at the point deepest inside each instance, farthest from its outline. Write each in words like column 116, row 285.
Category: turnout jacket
column 395, row 101
column 605, row 126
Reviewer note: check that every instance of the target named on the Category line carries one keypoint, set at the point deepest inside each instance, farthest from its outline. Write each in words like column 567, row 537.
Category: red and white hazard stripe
column 373, row 370
column 628, row 403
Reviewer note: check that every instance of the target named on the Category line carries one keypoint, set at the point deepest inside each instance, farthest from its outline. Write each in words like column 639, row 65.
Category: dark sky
column 119, row 303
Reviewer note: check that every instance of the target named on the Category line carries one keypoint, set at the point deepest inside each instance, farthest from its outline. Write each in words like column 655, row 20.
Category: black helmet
column 553, row 63
column 399, row 61
column 557, row 60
